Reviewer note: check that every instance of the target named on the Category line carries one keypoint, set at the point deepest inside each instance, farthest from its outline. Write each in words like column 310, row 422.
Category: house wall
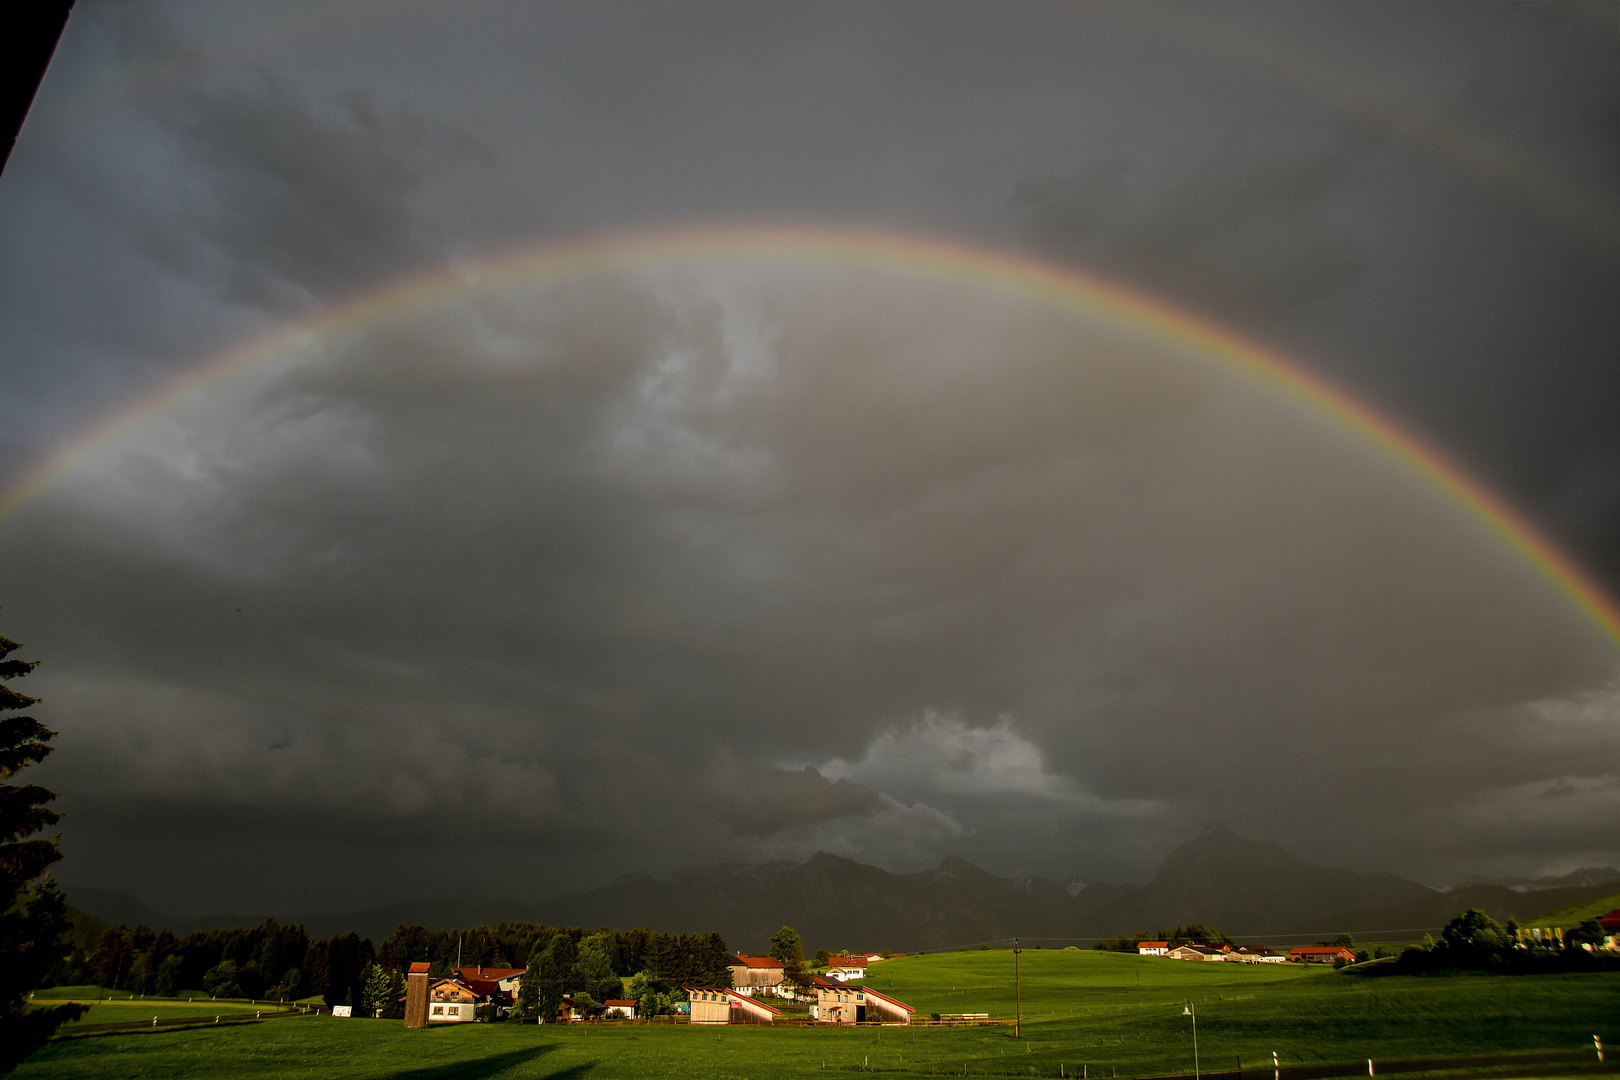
column 452, row 1012
column 839, row 1006
column 705, row 1011
column 743, row 975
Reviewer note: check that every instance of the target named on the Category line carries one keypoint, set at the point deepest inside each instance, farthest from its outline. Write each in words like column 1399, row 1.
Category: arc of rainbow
column 1061, row 287
column 1581, row 211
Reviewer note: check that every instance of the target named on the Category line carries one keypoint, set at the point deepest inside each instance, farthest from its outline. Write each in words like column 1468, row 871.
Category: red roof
column 897, row 1004
column 487, row 972
column 736, row 997
column 420, row 969
column 846, row 961
column 1321, row 950
column 1152, row 944
column 1611, row 921
column 756, row 961
column 615, row 1003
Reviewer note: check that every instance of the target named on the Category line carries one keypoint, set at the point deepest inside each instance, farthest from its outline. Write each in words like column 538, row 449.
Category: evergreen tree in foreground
column 33, row 912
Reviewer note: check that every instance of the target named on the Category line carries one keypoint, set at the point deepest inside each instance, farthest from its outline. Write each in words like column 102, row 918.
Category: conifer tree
column 33, row 911
column 527, row 1006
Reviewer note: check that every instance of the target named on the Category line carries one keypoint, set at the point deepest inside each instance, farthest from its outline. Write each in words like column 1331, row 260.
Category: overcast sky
column 663, row 565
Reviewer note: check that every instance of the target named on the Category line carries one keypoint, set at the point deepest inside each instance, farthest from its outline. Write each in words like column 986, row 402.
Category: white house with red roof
column 846, row 968
column 509, row 979
column 1152, row 948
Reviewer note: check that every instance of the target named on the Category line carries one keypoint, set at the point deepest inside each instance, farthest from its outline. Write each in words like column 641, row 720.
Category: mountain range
column 1247, row 888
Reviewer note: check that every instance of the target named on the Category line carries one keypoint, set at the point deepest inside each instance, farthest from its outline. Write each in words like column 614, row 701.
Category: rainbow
column 1060, row 287
column 1582, row 212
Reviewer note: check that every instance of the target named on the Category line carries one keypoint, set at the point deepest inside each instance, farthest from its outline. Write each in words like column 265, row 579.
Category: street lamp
column 1188, row 1011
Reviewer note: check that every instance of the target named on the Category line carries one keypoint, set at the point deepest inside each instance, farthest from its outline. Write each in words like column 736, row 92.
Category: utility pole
column 1188, row 1011
column 458, row 952
column 1018, row 996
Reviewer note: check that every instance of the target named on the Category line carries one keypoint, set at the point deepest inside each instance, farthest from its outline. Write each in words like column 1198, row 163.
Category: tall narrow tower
column 416, row 996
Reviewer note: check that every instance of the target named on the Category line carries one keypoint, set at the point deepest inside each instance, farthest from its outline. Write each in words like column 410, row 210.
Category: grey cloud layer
column 644, row 548
column 596, row 574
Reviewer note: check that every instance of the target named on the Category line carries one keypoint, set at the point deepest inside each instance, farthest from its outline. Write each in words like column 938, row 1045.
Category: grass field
column 1107, row 1012
column 1576, row 914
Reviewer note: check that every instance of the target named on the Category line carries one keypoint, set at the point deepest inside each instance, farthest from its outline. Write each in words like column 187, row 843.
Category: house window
column 438, row 1010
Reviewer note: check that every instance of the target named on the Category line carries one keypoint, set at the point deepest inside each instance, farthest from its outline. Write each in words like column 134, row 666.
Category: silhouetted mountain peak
column 953, row 866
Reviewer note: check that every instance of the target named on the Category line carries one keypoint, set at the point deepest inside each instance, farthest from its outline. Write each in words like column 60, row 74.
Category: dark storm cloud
column 796, row 558
column 1229, row 233
column 290, row 194
column 663, row 568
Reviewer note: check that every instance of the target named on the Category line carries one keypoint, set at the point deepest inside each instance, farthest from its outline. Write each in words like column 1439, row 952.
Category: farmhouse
column 1152, row 948
column 847, row 968
column 722, row 1005
column 1321, row 954
column 1198, row 952
column 616, row 1008
column 508, row 979
column 452, row 1001
column 841, row 1003
column 1611, row 927
column 1254, row 954
column 752, row 973
column 837, row 1003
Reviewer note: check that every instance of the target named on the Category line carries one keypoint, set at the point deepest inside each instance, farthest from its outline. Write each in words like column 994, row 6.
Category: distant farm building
column 752, row 973
column 1152, row 948
column 722, row 1005
column 1199, row 952
column 842, row 1003
column 847, row 968
column 1256, row 955
column 1321, row 954
column 508, row 979
column 618, row 1009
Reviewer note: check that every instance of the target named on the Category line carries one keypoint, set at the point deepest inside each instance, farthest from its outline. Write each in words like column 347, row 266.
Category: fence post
column 1597, row 1042
column 1369, row 1067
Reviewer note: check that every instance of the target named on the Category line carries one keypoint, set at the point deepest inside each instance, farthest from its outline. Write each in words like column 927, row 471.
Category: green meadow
column 1577, row 913
column 1105, row 1014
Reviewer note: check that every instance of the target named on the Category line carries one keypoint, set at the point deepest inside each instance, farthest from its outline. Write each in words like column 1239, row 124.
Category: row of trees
column 1473, row 941
column 275, row 960
column 1193, row 934
column 271, row 960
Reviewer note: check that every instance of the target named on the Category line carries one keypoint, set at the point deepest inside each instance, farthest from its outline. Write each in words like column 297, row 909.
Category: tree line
column 1473, row 941
column 271, row 960
column 280, row 961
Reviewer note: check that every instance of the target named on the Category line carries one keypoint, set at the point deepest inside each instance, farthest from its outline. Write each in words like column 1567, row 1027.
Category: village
column 834, row 997
column 838, row 996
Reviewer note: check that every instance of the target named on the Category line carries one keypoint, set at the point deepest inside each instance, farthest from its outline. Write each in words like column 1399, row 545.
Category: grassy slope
column 1082, row 1008
column 1573, row 915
